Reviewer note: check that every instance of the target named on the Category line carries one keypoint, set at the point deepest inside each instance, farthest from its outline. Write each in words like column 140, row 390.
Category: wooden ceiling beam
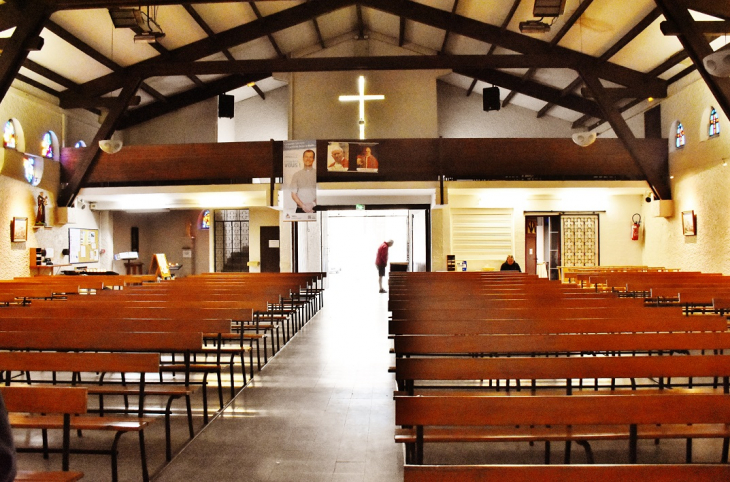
column 360, row 22
column 402, row 32
column 534, row 89
column 320, row 39
column 697, row 46
column 227, row 39
column 28, row 28
column 99, row 102
column 70, row 189
column 717, row 27
column 613, row 50
column 328, row 64
column 554, row 41
column 212, row 89
column 33, row 44
column 96, row 55
column 510, row 40
column 709, row 7
column 653, row 165
column 448, row 31
column 269, row 35
column 493, row 47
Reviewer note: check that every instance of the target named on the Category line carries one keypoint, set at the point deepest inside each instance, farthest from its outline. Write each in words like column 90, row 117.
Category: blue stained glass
column 9, row 136
column 47, row 146
column 680, row 139
column 205, row 223
column 714, row 129
column 80, row 144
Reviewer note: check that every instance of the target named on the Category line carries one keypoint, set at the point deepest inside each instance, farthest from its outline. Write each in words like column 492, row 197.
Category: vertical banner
column 300, row 180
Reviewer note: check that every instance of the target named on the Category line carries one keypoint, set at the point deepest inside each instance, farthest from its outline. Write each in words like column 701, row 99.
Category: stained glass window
column 80, row 144
column 9, row 136
column 205, row 222
column 679, row 139
column 714, row 129
column 47, row 145
column 29, row 169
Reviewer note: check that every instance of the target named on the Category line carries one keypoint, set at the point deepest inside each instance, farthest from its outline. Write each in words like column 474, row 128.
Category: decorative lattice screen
column 579, row 240
column 231, row 240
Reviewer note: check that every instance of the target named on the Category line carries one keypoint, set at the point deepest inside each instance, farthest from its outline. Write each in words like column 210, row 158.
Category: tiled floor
column 320, row 411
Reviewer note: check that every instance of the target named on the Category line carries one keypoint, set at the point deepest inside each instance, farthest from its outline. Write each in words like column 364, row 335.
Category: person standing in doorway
column 381, row 261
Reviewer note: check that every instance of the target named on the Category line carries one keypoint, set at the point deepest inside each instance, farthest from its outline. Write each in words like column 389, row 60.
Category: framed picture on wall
column 689, row 228
column 19, row 230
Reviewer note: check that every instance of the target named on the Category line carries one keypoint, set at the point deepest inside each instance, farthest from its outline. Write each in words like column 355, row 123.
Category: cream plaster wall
column 615, row 212
column 462, row 116
column 256, row 119
column 700, row 183
column 409, row 109
column 190, row 125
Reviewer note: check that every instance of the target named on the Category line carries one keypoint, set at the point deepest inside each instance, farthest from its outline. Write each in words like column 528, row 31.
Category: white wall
column 462, row 116
column 194, row 124
column 700, row 183
column 256, row 119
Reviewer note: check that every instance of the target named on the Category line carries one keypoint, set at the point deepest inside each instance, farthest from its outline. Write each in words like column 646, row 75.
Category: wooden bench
column 35, row 476
column 87, row 362
column 103, row 363
column 51, row 401
column 561, row 418
column 566, row 473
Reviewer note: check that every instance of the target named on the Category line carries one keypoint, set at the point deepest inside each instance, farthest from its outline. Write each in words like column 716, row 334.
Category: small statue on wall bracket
column 40, row 217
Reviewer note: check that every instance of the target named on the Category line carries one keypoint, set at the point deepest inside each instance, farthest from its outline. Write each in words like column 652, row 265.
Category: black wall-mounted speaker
column 490, row 97
column 225, row 106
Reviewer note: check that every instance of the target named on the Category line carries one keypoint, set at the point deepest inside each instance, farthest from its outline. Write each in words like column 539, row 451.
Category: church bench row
column 34, row 414
column 564, row 417
column 453, row 372
column 102, row 366
column 244, row 326
column 566, row 473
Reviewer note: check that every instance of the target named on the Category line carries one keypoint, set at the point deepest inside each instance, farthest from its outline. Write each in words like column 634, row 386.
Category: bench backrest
column 566, row 473
column 80, row 362
column 630, row 409
column 45, row 399
column 101, row 340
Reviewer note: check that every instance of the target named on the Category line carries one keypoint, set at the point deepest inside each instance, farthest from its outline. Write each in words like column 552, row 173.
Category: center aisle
column 321, row 410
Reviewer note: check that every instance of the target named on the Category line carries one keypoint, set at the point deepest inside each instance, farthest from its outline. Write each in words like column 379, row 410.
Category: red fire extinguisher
column 636, row 218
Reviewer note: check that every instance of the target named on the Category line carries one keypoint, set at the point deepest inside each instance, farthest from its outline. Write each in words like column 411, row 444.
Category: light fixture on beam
column 145, row 27
column 110, row 146
column 534, row 26
column 718, row 63
column 584, row 139
column 548, row 8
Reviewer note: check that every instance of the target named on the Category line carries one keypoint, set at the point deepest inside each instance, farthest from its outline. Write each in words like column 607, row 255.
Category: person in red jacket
column 381, row 261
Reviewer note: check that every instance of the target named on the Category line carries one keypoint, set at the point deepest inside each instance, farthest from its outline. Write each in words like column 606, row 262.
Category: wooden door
column 531, row 244
column 269, row 236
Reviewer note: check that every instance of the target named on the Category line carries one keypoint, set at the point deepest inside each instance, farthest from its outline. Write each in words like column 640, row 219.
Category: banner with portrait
column 352, row 157
column 300, row 181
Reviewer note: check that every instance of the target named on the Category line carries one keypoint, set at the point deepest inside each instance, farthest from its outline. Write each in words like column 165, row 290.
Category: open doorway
column 350, row 239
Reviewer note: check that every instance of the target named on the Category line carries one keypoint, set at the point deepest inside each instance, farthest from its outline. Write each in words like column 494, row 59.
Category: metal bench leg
column 143, row 457
column 588, row 449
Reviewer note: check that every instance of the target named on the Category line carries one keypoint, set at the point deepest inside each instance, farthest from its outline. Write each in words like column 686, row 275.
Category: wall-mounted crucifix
column 361, row 97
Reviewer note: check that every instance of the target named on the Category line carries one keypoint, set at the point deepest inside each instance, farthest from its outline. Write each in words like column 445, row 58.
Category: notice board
column 83, row 245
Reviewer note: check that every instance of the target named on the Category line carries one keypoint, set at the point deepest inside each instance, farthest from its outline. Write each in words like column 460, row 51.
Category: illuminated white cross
column 361, row 97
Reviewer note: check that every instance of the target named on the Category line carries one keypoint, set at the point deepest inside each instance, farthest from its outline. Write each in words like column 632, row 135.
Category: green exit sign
column 360, row 207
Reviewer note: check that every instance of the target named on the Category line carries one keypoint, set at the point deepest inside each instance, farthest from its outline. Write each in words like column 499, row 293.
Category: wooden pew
column 51, row 401
column 458, row 370
column 563, row 418
column 89, row 362
column 566, row 473
column 33, row 476
column 122, row 363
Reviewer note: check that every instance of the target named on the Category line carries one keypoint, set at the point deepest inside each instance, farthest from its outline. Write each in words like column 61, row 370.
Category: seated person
column 510, row 265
